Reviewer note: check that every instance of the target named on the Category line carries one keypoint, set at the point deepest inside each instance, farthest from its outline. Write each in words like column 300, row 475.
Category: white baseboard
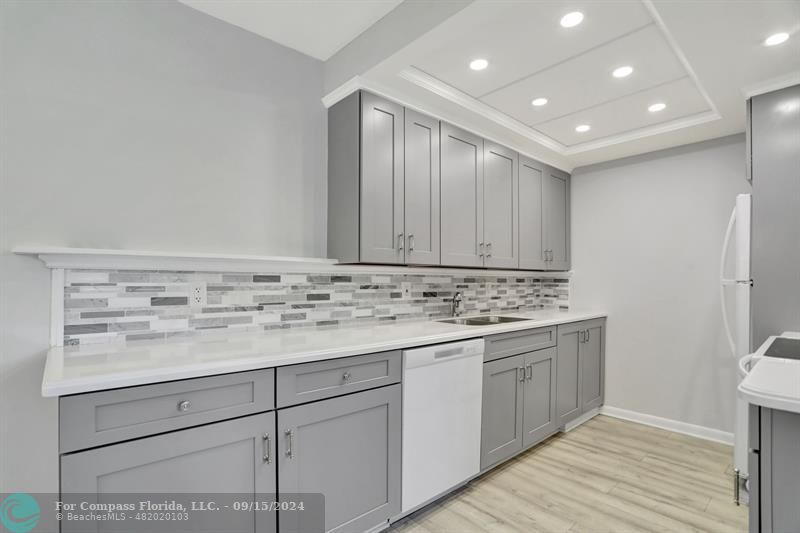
column 677, row 426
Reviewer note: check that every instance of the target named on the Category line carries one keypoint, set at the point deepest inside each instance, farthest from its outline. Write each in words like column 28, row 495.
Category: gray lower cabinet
column 236, row 456
column 348, row 449
column 539, row 412
column 500, row 206
column 581, row 368
column 774, row 471
column 501, row 418
column 519, row 395
column 461, row 197
column 556, row 219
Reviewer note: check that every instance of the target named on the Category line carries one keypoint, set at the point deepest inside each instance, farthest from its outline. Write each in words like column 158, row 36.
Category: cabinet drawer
column 97, row 418
column 508, row 344
column 315, row 381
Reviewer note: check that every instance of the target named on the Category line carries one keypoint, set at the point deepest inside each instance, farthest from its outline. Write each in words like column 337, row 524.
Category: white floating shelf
column 100, row 259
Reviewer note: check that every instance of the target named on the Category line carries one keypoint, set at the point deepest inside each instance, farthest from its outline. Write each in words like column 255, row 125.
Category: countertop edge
column 53, row 386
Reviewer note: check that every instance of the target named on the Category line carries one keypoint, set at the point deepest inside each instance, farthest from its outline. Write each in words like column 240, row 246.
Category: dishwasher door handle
column 450, row 352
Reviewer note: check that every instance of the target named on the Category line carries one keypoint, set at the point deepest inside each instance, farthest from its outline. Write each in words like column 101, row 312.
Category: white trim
column 426, row 81
column 57, row 307
column 677, row 426
column 773, row 84
column 98, row 259
column 585, row 417
column 648, row 4
column 342, row 91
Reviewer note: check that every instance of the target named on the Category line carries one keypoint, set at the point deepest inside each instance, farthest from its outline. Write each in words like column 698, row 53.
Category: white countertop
column 772, row 382
column 77, row 369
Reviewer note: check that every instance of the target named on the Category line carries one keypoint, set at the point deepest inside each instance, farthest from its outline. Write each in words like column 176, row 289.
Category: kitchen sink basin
column 482, row 320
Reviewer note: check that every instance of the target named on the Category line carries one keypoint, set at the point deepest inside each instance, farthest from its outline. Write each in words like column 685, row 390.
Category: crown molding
column 773, row 84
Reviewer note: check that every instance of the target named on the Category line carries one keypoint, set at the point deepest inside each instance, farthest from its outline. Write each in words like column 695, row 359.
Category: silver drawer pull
column 448, row 353
column 529, row 371
column 521, row 371
column 346, row 377
column 267, row 446
column 399, row 241
column 289, row 444
column 184, row 406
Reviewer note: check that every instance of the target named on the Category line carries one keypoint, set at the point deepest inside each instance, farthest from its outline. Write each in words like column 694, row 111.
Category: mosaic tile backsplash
column 114, row 306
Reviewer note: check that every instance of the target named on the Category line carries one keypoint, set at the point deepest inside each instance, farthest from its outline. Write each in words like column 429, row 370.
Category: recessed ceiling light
column 660, row 106
column 777, row 38
column 570, row 20
column 583, row 128
column 538, row 101
column 622, row 72
column 478, row 64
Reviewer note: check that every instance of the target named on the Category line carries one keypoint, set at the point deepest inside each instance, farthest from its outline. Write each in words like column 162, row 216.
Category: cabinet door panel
column 421, row 189
column 568, row 373
column 500, row 211
column 540, row 396
column 501, row 420
column 381, row 180
column 226, row 457
column 462, row 197
column 592, row 366
column 348, row 449
column 556, row 209
column 531, row 216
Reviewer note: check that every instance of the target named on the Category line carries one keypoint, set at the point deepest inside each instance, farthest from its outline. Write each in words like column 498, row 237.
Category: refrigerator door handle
column 723, row 282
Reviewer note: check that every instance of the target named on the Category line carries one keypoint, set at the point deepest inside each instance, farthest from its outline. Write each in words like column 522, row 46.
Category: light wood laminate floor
column 608, row 475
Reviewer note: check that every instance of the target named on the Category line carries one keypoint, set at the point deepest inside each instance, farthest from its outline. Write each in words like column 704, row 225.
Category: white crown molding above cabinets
column 92, row 258
column 774, row 84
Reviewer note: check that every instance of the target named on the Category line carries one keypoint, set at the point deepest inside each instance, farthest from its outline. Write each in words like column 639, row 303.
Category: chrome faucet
column 455, row 308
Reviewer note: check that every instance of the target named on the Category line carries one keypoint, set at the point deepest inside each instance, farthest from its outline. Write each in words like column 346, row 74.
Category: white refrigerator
column 735, row 287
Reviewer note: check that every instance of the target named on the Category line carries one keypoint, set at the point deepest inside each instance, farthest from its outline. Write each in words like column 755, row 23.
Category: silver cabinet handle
column 488, row 249
column 581, row 336
column 588, row 335
column 265, row 441
column 289, row 443
column 410, row 242
column 529, row 371
column 521, row 374
column 184, row 406
column 480, row 249
column 346, row 376
column 399, row 241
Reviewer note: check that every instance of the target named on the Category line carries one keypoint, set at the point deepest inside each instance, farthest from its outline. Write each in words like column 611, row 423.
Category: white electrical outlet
column 198, row 297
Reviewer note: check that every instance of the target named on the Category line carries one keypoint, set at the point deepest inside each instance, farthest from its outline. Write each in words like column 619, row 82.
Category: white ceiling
column 318, row 28
column 699, row 57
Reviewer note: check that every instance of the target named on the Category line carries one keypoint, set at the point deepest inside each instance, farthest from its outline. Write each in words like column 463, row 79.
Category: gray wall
column 646, row 239
column 141, row 125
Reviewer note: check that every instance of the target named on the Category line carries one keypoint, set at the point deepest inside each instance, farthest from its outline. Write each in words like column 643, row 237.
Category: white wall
column 646, row 238
column 141, row 125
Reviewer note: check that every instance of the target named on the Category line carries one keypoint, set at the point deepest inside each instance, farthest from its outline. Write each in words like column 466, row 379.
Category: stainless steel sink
column 482, row 320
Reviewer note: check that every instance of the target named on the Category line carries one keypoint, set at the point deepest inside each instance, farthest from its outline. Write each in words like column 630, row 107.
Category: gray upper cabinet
column 421, row 189
column 556, row 219
column 581, row 368
column 500, row 206
column 348, row 449
column 540, row 396
column 501, row 418
column 531, row 214
column 236, row 456
column 570, row 337
column 462, row 197
column 382, row 184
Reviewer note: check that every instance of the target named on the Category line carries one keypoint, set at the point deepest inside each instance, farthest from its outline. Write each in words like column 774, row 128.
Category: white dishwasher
column 442, row 391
